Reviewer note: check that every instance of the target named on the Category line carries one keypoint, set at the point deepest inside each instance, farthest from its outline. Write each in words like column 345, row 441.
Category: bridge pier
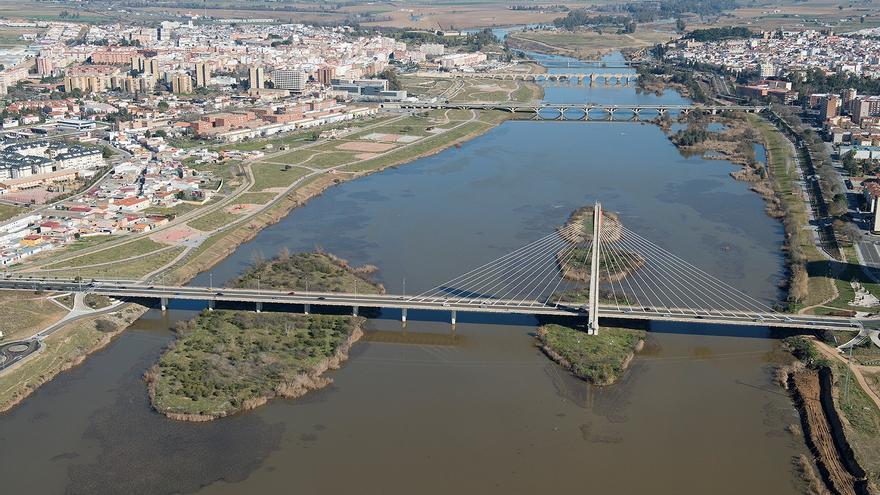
column 163, row 303
column 354, row 311
column 307, row 308
column 259, row 306
column 211, row 305
column 403, row 315
column 453, row 317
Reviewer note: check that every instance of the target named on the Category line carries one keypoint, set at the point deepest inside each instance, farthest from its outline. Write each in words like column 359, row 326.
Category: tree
column 390, row 75
column 163, row 106
column 680, row 25
column 106, row 152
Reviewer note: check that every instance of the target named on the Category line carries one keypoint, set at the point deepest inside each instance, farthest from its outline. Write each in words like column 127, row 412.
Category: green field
column 267, row 175
column 213, row 220
column 128, row 250
column 125, row 270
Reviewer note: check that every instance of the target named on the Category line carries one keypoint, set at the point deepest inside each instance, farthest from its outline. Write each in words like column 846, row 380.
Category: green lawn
column 257, row 198
column 125, row 270
column 128, row 250
column 213, row 220
column 268, row 175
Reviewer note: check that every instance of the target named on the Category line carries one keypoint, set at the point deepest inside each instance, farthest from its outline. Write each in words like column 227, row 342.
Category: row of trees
column 720, row 33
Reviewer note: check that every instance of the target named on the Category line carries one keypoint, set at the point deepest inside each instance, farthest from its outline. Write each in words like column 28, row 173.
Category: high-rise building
column 152, row 67
column 138, row 63
column 203, row 74
column 294, row 80
column 830, row 107
column 257, row 77
column 865, row 106
column 767, row 70
column 181, row 83
column 848, row 96
column 45, row 66
column 326, row 75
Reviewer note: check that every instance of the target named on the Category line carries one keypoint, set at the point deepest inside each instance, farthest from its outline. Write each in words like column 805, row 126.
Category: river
column 477, row 409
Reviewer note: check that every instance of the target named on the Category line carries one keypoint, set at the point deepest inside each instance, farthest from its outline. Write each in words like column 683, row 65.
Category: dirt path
column 807, row 385
column 857, row 369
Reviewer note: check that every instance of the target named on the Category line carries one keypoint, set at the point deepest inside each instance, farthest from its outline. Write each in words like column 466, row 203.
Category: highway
column 315, row 300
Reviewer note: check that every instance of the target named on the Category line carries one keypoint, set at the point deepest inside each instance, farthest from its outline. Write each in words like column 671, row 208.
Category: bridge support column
column 453, row 317
column 307, row 308
column 210, row 305
column 259, row 307
column 163, row 303
column 354, row 311
column 593, row 328
column 403, row 315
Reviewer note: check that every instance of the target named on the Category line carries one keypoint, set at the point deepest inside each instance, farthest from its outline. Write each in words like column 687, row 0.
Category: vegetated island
column 224, row 362
column 575, row 264
column 599, row 359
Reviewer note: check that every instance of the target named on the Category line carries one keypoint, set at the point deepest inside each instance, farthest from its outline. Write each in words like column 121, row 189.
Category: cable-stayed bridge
column 604, row 271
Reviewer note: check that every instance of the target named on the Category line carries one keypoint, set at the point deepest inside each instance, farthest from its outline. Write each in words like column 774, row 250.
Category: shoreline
column 122, row 318
column 299, row 197
column 225, row 246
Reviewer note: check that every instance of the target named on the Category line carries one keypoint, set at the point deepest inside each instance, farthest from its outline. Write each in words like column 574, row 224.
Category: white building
column 294, row 80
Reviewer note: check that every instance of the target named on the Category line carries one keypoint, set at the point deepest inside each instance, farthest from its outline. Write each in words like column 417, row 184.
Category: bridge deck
column 389, row 301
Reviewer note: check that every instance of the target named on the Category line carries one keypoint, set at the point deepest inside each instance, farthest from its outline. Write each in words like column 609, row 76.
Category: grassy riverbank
column 62, row 350
column 599, row 359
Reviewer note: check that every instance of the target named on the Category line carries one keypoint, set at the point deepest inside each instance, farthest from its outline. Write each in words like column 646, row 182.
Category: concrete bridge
column 574, row 77
column 571, row 111
column 620, row 274
column 318, row 302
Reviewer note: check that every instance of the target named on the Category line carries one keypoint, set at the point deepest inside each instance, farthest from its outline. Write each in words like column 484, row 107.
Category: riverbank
column 599, row 359
column 810, row 380
column 225, row 362
column 217, row 247
column 64, row 349
column 72, row 345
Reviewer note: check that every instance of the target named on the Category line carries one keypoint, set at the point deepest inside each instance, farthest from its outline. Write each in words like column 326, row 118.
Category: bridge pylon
column 593, row 327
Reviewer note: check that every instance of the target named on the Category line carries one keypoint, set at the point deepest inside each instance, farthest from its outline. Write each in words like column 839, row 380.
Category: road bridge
column 573, row 77
column 592, row 268
column 312, row 301
column 572, row 111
